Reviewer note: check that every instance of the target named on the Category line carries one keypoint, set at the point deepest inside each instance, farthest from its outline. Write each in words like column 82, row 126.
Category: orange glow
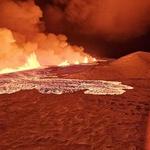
column 94, row 60
column 76, row 62
column 23, row 35
column 85, row 60
column 148, row 135
column 31, row 63
column 65, row 63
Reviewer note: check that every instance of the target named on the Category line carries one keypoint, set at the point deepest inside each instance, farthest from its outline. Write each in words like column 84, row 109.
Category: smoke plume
column 22, row 33
column 117, row 20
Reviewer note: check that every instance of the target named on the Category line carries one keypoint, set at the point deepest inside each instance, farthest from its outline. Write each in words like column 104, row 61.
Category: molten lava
column 31, row 63
column 85, row 61
column 77, row 62
column 94, row 60
column 64, row 63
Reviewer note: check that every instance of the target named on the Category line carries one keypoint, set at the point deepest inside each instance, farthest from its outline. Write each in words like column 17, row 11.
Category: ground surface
column 30, row 120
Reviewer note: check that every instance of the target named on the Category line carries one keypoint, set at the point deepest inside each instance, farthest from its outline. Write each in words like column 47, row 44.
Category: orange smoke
column 116, row 20
column 21, row 17
column 22, row 40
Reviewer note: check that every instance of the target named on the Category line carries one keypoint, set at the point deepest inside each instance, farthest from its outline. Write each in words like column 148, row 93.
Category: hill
column 135, row 65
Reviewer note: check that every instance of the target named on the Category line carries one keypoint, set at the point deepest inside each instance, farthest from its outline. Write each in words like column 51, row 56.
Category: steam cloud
column 113, row 20
column 22, row 33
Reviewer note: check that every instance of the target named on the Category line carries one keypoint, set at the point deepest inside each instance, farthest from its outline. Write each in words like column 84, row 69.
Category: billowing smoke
column 116, row 20
column 22, row 33
column 20, row 17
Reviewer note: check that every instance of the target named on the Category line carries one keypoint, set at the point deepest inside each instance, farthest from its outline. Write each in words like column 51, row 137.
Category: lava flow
column 44, row 81
column 85, row 61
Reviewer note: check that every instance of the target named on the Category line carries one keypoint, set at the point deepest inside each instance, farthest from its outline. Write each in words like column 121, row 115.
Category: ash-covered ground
column 31, row 120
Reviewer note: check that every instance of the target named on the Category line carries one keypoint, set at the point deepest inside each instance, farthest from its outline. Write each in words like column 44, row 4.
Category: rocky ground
column 30, row 120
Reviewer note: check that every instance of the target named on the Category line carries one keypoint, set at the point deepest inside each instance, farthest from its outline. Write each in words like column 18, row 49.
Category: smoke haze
column 113, row 20
column 22, row 33
column 103, row 26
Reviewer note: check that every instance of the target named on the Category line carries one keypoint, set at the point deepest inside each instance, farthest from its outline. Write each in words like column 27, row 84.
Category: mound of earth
column 135, row 65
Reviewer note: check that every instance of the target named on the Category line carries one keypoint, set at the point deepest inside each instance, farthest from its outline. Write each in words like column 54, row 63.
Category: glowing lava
column 31, row 63
column 65, row 63
column 85, row 60
column 36, row 80
column 94, row 60
column 77, row 62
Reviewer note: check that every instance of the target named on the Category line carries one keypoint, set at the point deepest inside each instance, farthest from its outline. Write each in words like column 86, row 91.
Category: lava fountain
column 31, row 63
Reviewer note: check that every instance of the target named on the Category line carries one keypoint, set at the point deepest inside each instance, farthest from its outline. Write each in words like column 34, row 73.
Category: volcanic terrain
column 33, row 118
